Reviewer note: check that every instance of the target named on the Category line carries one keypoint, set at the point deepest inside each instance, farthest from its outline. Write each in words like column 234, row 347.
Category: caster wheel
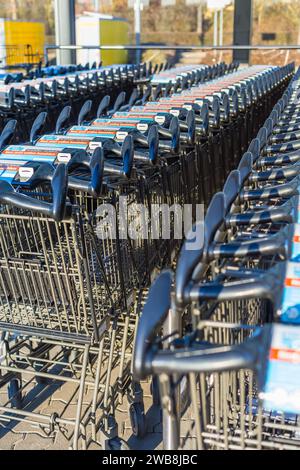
column 116, row 443
column 155, row 391
column 14, row 393
column 72, row 355
column 137, row 419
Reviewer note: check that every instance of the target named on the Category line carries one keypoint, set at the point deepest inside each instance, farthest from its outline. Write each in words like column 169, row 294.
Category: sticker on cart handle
column 25, row 173
column 281, row 388
column 295, row 248
column 121, row 135
column 290, row 305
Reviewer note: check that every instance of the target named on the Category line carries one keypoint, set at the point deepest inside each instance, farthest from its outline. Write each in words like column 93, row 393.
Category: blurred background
column 163, row 22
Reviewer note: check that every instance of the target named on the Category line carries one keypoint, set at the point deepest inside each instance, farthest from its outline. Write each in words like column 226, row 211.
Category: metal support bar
column 215, row 28
column 64, row 11
column 137, row 28
column 221, row 27
column 129, row 47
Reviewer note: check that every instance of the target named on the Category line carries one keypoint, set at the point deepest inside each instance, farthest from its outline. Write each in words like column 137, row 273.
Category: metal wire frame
column 225, row 410
column 94, row 377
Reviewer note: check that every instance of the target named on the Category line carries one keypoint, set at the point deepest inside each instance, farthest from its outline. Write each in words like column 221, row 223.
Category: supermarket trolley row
column 70, row 282
column 188, row 180
column 238, row 102
column 25, row 99
column 184, row 74
column 221, row 332
column 116, row 128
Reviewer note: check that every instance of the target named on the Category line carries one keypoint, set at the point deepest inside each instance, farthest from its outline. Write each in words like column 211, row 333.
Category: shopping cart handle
column 150, row 156
column 276, row 174
column 118, row 103
column 282, row 148
column 284, row 137
column 260, row 287
column 94, row 185
column 273, row 215
column 153, row 315
column 133, row 98
column 194, row 249
column 278, row 159
column 234, row 103
column 139, row 138
column 7, row 133
column 274, row 244
column 225, row 108
column 157, row 92
column 37, row 126
column 286, row 128
column 45, row 171
column 191, row 123
column 168, row 89
column 63, row 117
column 278, row 191
column 215, row 113
column 203, row 125
column 55, row 210
column 79, row 159
column 103, row 106
column 147, row 94
column 85, row 110
column 211, row 359
column 124, row 152
column 173, row 133
column 231, row 188
column 254, row 148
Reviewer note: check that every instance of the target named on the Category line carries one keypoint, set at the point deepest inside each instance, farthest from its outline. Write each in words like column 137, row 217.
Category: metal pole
column 96, row 5
column 216, row 28
column 64, row 11
column 137, row 28
column 242, row 28
column 199, row 20
column 221, row 27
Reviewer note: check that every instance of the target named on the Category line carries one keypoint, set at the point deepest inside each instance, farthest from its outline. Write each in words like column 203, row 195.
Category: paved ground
column 21, row 436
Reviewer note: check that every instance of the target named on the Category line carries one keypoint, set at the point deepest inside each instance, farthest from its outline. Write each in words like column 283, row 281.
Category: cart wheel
column 154, row 388
column 14, row 393
column 137, row 419
column 116, row 443
column 72, row 356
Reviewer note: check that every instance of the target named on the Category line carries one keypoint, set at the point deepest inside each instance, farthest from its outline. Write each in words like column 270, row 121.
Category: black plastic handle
column 173, row 133
column 118, row 103
column 154, row 313
column 157, row 92
column 103, row 106
column 63, row 117
column 262, row 247
column 147, row 94
column 92, row 186
column 85, row 110
column 277, row 191
column 150, row 156
column 124, row 152
column 37, row 126
column 276, row 174
column 278, row 160
column 55, row 210
column 207, row 359
column 246, row 289
column 274, row 215
column 8, row 133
